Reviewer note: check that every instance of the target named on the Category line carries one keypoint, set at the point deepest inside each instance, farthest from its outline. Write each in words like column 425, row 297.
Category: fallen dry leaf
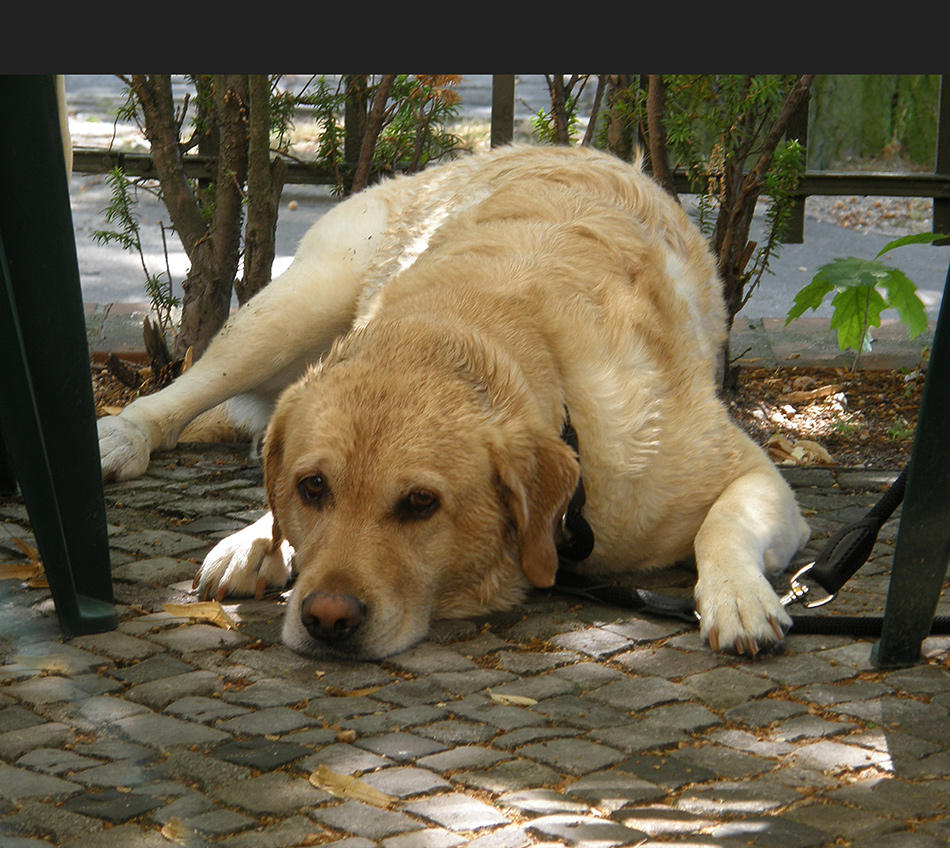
column 337, row 692
column 345, row 786
column 26, row 549
column 801, row 452
column 17, row 571
column 209, row 611
column 56, row 663
column 176, row 831
column 31, row 572
column 511, row 700
column 809, row 395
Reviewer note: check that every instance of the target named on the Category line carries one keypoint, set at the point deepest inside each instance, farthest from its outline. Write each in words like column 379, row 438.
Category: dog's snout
column 329, row 618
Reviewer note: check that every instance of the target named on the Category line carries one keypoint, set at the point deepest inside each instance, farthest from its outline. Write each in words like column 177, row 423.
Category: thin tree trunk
column 154, row 92
column 208, row 287
column 559, row 108
column 741, row 193
column 619, row 131
column 656, row 124
column 595, row 110
column 374, row 126
column 264, row 185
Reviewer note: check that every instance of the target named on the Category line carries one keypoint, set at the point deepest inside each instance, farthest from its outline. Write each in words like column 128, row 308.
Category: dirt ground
column 865, row 418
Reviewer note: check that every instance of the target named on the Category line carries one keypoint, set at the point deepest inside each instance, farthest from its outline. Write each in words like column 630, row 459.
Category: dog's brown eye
column 420, row 504
column 313, row 490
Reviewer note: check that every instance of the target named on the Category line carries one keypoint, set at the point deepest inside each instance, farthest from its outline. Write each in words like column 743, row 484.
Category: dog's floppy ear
column 273, row 455
column 538, row 484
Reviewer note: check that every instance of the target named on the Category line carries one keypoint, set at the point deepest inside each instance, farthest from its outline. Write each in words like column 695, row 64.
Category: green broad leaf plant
column 863, row 289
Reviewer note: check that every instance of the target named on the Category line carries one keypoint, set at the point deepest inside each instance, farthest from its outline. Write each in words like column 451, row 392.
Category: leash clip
column 798, row 591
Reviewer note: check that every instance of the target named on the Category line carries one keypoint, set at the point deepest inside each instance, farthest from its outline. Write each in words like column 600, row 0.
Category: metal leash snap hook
column 798, row 591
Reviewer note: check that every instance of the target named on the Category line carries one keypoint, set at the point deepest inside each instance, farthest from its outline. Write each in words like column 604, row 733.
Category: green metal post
column 923, row 538
column 47, row 410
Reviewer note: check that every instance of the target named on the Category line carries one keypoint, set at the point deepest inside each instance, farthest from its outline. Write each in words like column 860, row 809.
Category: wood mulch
column 860, row 419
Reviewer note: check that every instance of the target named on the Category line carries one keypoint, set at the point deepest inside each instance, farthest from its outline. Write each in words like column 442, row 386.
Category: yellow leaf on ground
column 56, row 663
column 209, row 611
column 802, row 452
column 345, row 786
column 176, row 831
column 32, row 572
column 17, row 571
column 27, row 551
column 337, row 692
column 511, row 700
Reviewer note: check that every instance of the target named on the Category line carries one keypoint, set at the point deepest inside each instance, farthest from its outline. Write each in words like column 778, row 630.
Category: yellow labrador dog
column 435, row 332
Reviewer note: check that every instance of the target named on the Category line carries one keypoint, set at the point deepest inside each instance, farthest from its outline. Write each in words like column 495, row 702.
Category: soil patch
column 862, row 419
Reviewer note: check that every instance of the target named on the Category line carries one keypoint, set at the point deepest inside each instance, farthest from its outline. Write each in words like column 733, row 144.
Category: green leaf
column 809, row 297
column 902, row 296
column 855, row 309
column 859, row 302
column 841, row 272
column 920, row 238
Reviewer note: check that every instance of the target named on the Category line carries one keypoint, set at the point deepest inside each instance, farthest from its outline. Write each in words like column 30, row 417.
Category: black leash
column 841, row 557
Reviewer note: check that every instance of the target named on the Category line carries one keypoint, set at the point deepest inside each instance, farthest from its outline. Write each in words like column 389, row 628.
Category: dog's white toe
column 245, row 564
column 741, row 615
column 123, row 448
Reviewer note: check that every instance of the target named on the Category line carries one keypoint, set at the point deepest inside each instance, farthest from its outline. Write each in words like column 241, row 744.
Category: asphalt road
column 110, row 275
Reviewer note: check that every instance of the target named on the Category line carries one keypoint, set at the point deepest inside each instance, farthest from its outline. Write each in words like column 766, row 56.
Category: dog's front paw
column 124, row 449
column 245, row 564
column 740, row 613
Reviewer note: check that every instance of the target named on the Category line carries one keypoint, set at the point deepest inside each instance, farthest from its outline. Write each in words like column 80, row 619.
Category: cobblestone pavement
column 563, row 723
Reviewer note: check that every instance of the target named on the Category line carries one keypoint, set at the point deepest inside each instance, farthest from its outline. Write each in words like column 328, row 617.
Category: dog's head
column 412, row 486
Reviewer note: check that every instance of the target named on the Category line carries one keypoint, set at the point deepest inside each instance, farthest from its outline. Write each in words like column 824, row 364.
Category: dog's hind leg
column 266, row 344
column 754, row 528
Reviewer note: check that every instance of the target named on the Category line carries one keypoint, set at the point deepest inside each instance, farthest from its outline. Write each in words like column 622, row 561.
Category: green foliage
column 788, row 167
column 715, row 121
column 716, row 128
column 863, row 289
column 901, row 431
column 415, row 133
column 846, row 429
column 327, row 101
column 121, row 213
column 418, row 111
column 543, row 122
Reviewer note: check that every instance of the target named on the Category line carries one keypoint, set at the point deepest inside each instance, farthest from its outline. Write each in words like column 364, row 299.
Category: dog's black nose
column 329, row 618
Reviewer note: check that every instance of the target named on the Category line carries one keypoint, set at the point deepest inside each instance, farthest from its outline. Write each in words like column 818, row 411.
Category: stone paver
column 635, row 733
